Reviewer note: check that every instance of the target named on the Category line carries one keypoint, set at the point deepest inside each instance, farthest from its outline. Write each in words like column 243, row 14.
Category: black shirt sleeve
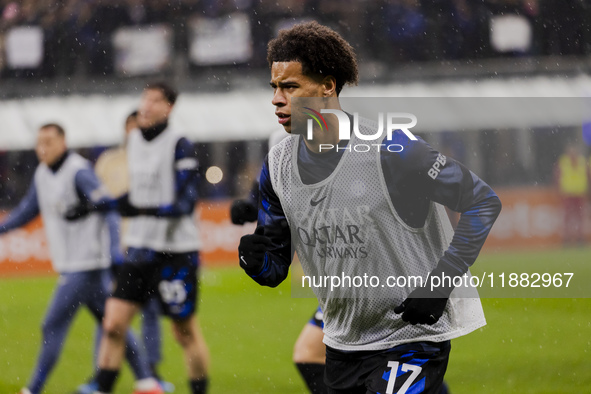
column 272, row 218
column 421, row 174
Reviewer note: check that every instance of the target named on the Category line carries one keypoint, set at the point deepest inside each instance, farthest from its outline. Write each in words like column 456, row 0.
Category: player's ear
column 170, row 107
column 329, row 84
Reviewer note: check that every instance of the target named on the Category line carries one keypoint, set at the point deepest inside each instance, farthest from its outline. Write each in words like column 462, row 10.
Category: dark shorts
column 317, row 319
column 410, row 368
column 171, row 277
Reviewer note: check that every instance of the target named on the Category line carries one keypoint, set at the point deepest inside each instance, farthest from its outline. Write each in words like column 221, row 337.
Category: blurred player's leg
column 96, row 297
column 151, row 334
column 309, row 354
column 188, row 334
column 138, row 360
column 57, row 321
column 118, row 316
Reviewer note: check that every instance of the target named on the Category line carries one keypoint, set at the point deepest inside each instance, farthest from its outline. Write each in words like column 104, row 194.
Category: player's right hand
column 243, row 211
column 77, row 212
column 251, row 251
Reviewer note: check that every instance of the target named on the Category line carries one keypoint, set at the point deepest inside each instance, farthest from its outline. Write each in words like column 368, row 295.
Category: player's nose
column 279, row 99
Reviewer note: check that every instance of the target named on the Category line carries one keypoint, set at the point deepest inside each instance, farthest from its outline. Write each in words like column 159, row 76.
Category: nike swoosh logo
column 244, row 261
column 314, row 203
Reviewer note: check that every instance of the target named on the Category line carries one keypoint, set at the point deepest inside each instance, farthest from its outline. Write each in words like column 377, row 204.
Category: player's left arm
column 92, row 192
column 450, row 183
column 443, row 180
column 426, row 173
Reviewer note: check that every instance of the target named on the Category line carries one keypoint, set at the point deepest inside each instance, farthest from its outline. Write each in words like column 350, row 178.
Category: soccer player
column 80, row 252
column 162, row 240
column 111, row 169
column 309, row 350
column 382, row 212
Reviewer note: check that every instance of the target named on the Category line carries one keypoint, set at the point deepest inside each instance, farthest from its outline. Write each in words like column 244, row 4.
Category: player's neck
column 323, row 140
column 322, row 137
column 57, row 164
column 149, row 133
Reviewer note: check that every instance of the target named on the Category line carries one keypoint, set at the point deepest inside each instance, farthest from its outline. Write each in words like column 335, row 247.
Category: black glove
column 77, row 212
column 425, row 305
column 243, row 211
column 421, row 308
column 125, row 208
column 252, row 250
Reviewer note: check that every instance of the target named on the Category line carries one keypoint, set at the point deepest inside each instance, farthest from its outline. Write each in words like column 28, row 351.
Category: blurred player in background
column 81, row 252
column 111, row 168
column 374, row 344
column 572, row 176
column 309, row 350
column 162, row 240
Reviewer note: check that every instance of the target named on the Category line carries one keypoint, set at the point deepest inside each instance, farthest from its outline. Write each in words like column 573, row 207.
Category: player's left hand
column 77, row 212
column 421, row 308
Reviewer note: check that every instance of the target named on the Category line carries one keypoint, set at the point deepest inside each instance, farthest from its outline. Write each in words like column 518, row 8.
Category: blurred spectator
column 405, row 29
column 99, row 24
column 77, row 34
column 465, row 35
column 572, row 179
column 565, row 23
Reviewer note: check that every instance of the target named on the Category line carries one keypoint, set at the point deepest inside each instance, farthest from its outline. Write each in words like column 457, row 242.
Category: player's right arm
column 27, row 210
column 266, row 255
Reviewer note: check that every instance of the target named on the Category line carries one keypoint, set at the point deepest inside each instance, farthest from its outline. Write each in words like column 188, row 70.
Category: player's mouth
column 282, row 118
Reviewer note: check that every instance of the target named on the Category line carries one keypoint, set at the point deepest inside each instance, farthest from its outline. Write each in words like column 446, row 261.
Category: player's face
column 50, row 145
column 154, row 109
column 287, row 81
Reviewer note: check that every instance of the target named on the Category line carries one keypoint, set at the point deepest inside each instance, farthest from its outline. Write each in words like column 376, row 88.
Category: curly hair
column 319, row 49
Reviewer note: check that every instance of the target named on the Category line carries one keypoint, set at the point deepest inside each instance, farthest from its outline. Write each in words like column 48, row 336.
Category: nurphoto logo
column 345, row 128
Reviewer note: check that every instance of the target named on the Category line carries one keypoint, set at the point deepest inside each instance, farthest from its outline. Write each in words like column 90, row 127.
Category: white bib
column 79, row 245
column 347, row 225
column 152, row 183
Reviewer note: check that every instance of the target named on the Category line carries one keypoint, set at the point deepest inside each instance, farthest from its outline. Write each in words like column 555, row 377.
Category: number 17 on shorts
column 415, row 371
column 412, row 372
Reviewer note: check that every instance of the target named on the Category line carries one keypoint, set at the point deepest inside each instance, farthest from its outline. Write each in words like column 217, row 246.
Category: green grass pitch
column 528, row 346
